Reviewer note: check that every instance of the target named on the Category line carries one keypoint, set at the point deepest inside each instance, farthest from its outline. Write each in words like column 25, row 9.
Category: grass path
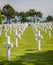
column 26, row 44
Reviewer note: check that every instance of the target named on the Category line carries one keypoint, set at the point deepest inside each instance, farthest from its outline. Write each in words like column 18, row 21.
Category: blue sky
column 45, row 6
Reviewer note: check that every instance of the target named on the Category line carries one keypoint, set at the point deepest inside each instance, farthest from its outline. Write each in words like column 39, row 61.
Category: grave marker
column 16, row 39
column 8, row 45
column 5, row 31
column 38, row 37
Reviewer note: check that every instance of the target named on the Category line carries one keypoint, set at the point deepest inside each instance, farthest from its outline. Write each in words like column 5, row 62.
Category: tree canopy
column 8, row 11
column 23, row 17
column 33, row 13
column 49, row 18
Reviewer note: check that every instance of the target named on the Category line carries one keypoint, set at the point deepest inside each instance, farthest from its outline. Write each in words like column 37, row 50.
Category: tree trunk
column 8, row 20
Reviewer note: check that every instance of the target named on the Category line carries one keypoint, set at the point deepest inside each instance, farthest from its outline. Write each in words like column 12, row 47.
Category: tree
column 31, row 13
column 49, row 18
column 0, row 17
column 34, row 14
column 39, row 14
column 22, row 16
column 17, row 13
column 9, row 12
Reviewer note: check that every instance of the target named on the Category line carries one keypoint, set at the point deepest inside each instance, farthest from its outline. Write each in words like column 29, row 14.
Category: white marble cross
column 5, row 31
column 21, row 31
column 36, row 33
column 19, row 36
column 10, row 28
column 38, row 37
column 16, row 39
column 49, row 31
column 8, row 45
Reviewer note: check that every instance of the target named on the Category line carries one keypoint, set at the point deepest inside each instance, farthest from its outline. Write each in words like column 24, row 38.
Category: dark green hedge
column 0, row 17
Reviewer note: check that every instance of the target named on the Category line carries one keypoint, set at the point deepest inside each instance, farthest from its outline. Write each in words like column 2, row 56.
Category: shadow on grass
column 37, row 58
column 29, row 50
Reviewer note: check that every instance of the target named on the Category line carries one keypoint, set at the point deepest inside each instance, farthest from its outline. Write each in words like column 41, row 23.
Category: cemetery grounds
column 26, row 52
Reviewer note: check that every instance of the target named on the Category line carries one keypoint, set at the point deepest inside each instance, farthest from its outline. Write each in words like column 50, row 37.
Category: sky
column 45, row 6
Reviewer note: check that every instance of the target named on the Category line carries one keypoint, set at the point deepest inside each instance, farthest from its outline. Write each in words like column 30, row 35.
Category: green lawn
column 26, row 53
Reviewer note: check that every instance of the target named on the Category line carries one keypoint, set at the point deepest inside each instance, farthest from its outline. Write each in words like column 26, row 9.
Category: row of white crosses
column 37, row 36
column 49, row 30
column 8, row 44
column 45, row 27
column 18, row 35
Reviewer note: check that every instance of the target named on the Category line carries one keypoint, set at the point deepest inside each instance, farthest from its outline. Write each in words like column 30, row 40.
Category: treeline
column 10, row 13
column 27, row 16
column 49, row 18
